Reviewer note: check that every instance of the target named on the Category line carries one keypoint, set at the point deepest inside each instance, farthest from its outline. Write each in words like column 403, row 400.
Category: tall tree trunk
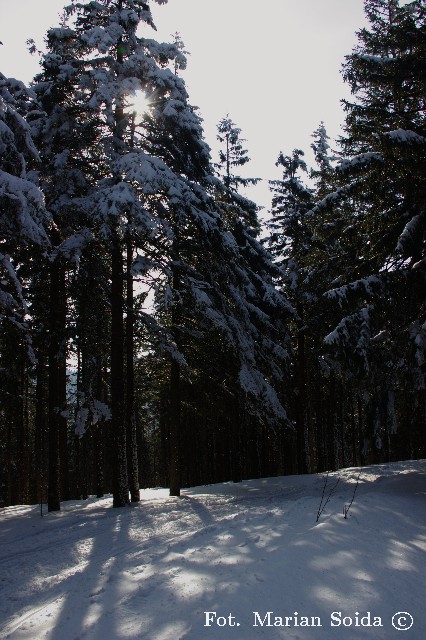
column 8, row 475
column 301, row 400
column 120, row 484
column 175, row 426
column 175, row 430
column 235, row 452
column 41, row 424
column 120, row 489
column 62, row 391
column 100, row 430
column 21, row 428
column 320, row 431
column 132, row 446
column 56, row 331
column 331, row 421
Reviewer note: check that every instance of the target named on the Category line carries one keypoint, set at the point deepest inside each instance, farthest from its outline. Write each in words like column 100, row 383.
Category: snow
column 360, row 160
column 152, row 570
column 377, row 59
column 411, row 230
column 365, row 285
column 407, row 136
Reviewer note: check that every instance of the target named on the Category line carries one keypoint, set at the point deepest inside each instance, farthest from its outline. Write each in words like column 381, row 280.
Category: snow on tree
column 378, row 205
column 23, row 217
column 95, row 62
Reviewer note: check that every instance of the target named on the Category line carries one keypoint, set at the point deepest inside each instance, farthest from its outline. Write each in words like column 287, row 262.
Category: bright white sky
column 273, row 65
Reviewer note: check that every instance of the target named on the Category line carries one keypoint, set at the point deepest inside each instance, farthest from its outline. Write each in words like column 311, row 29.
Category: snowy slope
column 151, row 571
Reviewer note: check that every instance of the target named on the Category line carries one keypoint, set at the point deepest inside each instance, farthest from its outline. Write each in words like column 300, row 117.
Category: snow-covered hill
column 212, row 564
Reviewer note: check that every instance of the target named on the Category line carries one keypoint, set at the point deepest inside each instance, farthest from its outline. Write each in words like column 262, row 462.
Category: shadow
column 151, row 571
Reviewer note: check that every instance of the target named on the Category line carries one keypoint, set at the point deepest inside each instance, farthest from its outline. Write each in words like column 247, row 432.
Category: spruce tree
column 65, row 137
column 23, row 234
column 290, row 240
column 233, row 155
column 378, row 205
column 252, row 298
column 99, row 90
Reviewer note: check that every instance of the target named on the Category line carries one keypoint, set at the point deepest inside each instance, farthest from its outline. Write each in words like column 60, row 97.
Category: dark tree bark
column 56, row 355
column 19, row 418
column 62, row 391
column 331, row 420
column 132, row 446
column 120, row 483
column 41, row 425
column 120, row 488
column 235, row 449
column 175, row 430
column 175, row 425
column 100, row 430
column 301, row 399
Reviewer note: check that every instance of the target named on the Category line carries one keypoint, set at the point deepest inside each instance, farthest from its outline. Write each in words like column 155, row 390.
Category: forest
column 153, row 331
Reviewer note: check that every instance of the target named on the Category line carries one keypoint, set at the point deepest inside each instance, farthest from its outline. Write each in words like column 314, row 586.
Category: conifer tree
column 121, row 63
column 290, row 241
column 65, row 137
column 23, row 218
column 151, row 190
column 378, row 204
column 23, row 234
column 256, row 303
column 213, row 287
column 323, row 175
column 232, row 155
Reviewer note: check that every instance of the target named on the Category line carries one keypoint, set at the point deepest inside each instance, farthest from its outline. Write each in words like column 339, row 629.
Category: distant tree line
column 152, row 330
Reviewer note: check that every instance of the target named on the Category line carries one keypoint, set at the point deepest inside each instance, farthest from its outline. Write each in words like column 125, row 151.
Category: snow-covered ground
column 238, row 551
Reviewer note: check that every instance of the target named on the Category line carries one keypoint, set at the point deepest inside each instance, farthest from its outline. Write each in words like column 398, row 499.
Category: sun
column 139, row 102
